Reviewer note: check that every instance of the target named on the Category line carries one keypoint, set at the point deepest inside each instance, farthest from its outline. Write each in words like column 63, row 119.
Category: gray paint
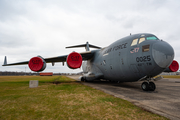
column 117, row 63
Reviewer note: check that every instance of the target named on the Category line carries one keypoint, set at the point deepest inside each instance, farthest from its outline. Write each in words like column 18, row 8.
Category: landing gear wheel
column 152, row 86
column 145, row 86
column 82, row 79
column 85, row 80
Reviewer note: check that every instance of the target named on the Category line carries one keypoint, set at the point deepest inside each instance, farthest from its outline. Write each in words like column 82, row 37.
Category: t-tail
column 87, row 46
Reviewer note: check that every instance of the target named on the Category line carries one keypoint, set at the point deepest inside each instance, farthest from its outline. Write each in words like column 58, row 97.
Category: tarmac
column 165, row 100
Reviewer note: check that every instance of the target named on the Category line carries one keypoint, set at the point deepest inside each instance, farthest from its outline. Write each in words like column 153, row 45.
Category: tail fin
column 87, row 46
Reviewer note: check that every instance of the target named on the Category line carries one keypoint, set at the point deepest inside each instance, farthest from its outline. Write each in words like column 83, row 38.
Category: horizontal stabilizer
column 87, row 46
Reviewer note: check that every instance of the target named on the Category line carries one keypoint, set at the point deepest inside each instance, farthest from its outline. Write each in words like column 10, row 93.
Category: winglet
column 5, row 61
column 87, row 46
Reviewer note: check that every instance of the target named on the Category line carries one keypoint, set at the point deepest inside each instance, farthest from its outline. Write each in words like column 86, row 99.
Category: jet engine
column 37, row 64
column 74, row 60
column 173, row 67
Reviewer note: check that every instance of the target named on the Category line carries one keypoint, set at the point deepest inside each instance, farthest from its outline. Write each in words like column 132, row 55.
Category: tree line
column 9, row 73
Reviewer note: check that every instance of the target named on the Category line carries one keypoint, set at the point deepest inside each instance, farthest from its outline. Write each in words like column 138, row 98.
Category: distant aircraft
column 138, row 57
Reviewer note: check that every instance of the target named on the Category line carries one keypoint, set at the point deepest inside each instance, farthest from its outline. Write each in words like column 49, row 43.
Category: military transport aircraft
column 137, row 57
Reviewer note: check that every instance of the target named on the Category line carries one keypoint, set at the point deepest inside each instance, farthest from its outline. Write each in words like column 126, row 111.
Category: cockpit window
column 134, row 42
column 151, row 38
column 141, row 40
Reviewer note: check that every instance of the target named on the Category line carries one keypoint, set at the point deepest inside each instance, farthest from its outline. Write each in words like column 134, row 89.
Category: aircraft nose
column 163, row 54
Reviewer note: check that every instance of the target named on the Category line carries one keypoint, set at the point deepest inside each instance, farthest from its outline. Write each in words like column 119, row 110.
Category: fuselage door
column 133, row 53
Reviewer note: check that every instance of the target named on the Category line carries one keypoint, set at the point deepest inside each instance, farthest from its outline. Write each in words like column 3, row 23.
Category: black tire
column 152, row 86
column 145, row 86
column 82, row 79
column 85, row 80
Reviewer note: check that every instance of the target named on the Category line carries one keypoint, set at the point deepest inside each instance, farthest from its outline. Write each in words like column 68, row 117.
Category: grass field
column 67, row 100
column 171, row 76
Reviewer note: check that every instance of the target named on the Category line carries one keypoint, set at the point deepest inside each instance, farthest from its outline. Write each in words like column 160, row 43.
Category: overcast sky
column 45, row 27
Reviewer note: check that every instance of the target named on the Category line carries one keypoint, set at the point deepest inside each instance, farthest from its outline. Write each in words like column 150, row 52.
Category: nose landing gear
column 148, row 86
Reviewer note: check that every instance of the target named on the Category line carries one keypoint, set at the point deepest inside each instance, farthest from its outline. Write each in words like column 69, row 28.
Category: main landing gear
column 83, row 79
column 148, row 86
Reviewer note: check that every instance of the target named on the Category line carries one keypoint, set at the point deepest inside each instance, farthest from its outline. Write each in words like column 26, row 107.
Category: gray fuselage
column 130, row 59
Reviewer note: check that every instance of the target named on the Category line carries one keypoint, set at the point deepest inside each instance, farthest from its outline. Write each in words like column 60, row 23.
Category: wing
column 85, row 56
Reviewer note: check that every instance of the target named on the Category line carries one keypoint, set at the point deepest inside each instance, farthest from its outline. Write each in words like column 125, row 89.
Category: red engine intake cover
column 174, row 66
column 37, row 64
column 74, row 60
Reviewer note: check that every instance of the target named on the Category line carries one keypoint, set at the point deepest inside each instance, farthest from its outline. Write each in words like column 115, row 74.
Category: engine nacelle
column 74, row 60
column 173, row 67
column 37, row 64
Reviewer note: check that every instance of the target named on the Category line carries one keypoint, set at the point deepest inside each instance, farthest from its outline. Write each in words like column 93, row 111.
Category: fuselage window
column 141, row 40
column 145, row 48
column 134, row 42
column 152, row 38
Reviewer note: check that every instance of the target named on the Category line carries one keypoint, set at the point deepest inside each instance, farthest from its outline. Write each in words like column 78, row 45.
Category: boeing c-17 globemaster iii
column 138, row 57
